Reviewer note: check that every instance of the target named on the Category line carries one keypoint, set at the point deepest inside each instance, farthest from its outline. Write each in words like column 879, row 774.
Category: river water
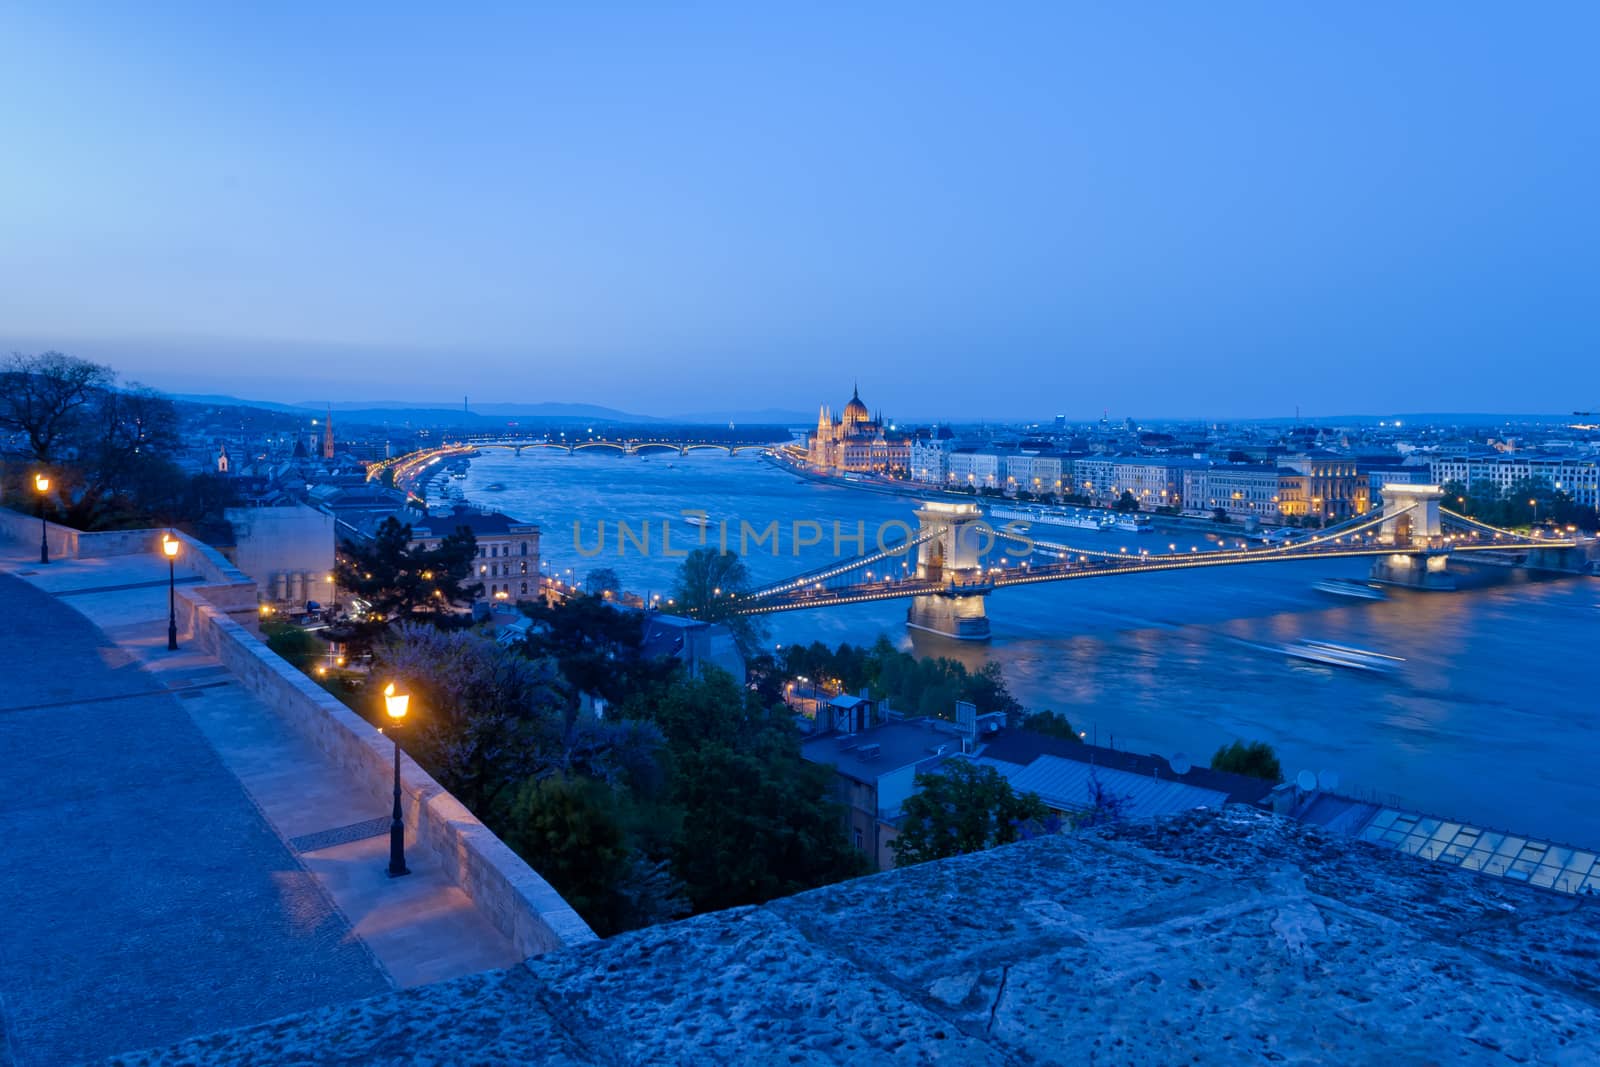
column 1492, row 718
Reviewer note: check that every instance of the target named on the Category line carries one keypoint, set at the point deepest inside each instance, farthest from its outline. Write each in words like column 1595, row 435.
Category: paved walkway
column 174, row 859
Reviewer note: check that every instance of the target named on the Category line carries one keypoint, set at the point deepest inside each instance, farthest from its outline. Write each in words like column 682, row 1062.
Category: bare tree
column 43, row 397
column 123, row 429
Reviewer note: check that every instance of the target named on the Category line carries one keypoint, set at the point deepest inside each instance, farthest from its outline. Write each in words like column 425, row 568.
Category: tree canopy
column 1255, row 759
column 401, row 579
column 758, row 820
column 963, row 807
column 46, row 397
column 708, row 587
column 918, row 686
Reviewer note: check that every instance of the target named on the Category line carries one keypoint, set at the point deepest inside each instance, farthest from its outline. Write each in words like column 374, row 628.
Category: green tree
column 1051, row 724
column 1127, row 501
column 296, row 646
column 400, row 579
column 709, row 586
column 596, row 647
column 759, row 821
column 1255, row 759
column 575, row 831
column 963, row 807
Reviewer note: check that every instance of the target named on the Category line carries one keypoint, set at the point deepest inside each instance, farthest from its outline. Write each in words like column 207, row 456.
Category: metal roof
column 1067, row 785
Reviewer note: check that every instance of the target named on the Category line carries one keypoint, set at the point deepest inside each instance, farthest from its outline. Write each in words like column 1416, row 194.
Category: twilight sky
column 990, row 210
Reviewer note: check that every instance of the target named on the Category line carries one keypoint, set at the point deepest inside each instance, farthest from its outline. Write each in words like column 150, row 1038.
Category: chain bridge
column 948, row 567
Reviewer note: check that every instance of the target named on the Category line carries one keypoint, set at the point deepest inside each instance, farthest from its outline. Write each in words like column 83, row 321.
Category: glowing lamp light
column 169, row 547
column 395, row 703
column 41, row 483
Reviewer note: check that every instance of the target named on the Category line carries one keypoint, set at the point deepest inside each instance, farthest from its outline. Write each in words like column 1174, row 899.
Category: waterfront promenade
column 177, row 858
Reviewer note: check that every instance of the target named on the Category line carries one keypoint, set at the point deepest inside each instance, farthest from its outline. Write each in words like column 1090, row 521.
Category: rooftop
column 899, row 744
column 1068, row 785
column 1024, row 746
column 481, row 523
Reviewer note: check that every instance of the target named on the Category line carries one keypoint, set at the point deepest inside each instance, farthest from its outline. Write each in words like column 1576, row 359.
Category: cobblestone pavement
column 145, row 898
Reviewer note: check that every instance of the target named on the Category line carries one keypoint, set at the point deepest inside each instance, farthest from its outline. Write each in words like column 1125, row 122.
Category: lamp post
column 395, row 704
column 169, row 548
column 42, row 484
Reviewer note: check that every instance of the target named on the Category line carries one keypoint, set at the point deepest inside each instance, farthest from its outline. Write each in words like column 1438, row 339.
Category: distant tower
column 222, row 459
column 327, row 435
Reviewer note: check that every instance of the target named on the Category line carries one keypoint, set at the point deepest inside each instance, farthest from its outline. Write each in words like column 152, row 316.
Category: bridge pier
column 961, row 618
column 1415, row 570
column 952, row 556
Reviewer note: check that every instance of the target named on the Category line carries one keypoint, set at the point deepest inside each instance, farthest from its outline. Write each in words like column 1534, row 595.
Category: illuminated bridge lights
column 1331, row 545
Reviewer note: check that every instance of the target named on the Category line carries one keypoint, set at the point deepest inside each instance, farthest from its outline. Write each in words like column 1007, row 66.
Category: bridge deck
column 1100, row 566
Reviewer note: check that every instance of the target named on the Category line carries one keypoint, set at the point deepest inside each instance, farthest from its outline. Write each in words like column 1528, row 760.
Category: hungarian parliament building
column 856, row 441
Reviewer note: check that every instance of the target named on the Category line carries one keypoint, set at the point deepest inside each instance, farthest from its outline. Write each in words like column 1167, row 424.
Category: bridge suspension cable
column 834, row 570
column 1458, row 519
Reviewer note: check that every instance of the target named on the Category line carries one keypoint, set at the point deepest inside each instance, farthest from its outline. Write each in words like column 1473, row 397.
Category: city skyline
column 1332, row 210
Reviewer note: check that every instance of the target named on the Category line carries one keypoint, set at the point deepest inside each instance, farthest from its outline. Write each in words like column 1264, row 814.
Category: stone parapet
column 1211, row 937
column 520, row 904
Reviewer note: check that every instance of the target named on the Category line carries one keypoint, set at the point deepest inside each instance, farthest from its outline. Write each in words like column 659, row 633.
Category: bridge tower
column 952, row 557
column 1411, row 515
column 1412, row 526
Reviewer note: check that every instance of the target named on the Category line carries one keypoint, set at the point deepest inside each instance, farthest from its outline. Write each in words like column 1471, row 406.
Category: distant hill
column 542, row 410
column 220, row 400
column 414, row 413
column 761, row 416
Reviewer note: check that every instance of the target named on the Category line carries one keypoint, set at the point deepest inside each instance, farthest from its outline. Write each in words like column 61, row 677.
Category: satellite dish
column 1307, row 781
column 1328, row 781
column 1179, row 763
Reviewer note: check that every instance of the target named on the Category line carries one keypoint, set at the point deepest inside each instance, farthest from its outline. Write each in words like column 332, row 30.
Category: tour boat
column 697, row 520
column 1046, row 516
column 1133, row 524
column 1332, row 655
column 1351, row 587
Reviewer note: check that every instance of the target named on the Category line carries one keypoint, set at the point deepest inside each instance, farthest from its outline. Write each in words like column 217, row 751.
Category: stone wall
column 221, row 615
column 519, row 903
column 68, row 543
column 226, row 587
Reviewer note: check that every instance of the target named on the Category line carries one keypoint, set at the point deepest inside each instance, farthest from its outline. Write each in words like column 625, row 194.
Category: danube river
column 1492, row 718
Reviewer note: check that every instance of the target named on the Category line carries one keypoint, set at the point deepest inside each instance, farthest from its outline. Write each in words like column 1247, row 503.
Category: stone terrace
column 1230, row 937
column 175, row 857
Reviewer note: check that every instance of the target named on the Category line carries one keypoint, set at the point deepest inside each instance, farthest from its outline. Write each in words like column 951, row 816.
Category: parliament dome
column 856, row 411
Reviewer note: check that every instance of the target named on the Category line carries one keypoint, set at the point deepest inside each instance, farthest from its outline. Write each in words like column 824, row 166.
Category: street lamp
column 42, row 484
column 395, row 704
column 169, row 548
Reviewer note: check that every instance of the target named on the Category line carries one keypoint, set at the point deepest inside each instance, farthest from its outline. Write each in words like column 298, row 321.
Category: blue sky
column 989, row 210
